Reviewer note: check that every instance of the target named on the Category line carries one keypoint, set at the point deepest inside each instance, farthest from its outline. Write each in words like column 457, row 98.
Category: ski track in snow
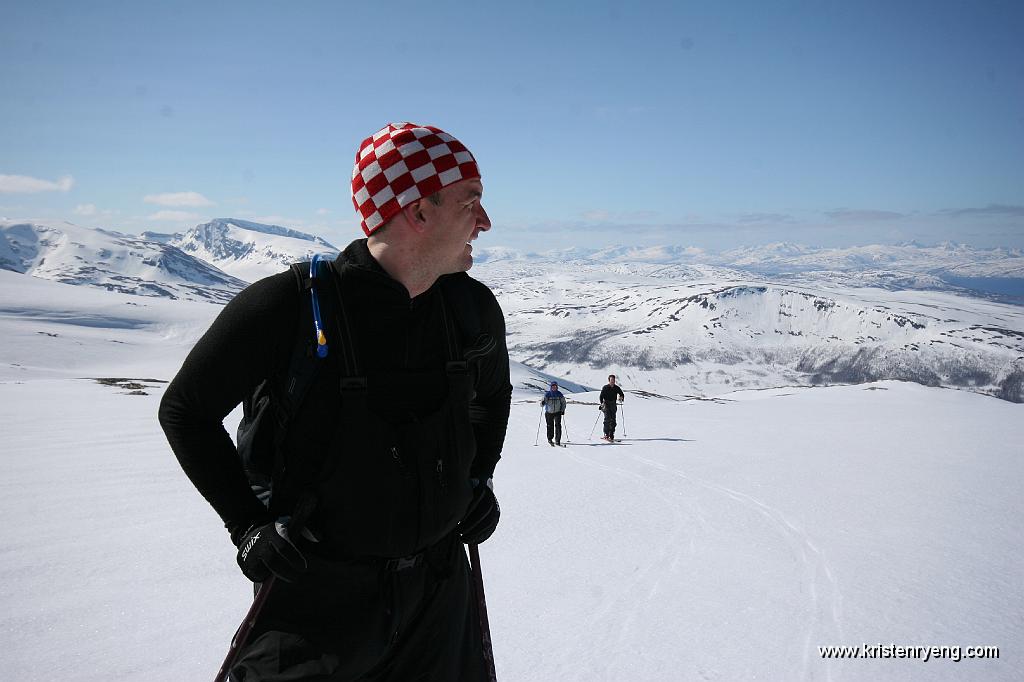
column 636, row 596
column 633, row 597
column 827, row 626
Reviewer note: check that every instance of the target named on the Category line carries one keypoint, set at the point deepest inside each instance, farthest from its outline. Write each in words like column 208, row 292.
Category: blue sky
column 706, row 124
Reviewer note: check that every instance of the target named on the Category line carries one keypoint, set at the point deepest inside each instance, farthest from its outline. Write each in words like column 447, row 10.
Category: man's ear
column 413, row 212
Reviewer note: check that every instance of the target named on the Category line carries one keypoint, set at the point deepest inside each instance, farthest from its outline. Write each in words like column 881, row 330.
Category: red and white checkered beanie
column 402, row 162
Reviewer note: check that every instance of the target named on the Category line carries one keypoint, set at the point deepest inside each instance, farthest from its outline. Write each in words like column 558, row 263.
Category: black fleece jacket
column 609, row 393
column 252, row 338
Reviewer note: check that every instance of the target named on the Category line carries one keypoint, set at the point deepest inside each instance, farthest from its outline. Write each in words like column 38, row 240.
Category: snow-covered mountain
column 72, row 254
column 211, row 262
column 948, row 257
column 994, row 273
column 247, row 250
column 668, row 320
column 681, row 330
column 788, row 257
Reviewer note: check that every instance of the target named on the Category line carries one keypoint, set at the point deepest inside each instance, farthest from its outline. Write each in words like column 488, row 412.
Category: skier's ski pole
column 565, row 425
column 539, row 417
column 624, row 432
column 485, row 628
column 591, row 436
column 243, row 631
column 302, row 511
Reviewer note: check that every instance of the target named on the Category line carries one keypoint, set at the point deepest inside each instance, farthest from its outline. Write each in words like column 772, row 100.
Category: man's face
column 457, row 221
column 611, row 381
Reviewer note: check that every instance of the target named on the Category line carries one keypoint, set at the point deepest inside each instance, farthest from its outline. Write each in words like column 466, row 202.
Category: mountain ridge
column 70, row 254
column 248, row 250
column 718, row 330
column 699, row 327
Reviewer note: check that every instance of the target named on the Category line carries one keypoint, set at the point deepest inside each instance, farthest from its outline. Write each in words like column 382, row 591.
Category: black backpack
column 268, row 410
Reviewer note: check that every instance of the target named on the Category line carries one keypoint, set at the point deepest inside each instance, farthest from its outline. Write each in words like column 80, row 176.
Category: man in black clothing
column 609, row 406
column 399, row 469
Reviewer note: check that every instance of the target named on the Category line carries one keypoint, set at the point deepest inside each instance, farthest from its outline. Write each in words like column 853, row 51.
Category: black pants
column 367, row 622
column 554, row 420
column 609, row 419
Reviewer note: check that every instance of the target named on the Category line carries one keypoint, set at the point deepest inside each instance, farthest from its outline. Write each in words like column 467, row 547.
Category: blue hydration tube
column 321, row 339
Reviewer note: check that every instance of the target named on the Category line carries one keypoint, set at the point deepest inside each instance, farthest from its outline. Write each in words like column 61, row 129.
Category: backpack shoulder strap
column 269, row 408
column 303, row 363
column 331, row 335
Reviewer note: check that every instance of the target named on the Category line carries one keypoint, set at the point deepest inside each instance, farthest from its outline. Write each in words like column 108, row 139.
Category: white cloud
column 190, row 199
column 23, row 184
column 92, row 211
column 174, row 216
column 323, row 211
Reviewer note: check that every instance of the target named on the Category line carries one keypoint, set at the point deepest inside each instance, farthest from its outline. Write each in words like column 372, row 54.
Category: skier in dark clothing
column 554, row 408
column 377, row 586
column 610, row 406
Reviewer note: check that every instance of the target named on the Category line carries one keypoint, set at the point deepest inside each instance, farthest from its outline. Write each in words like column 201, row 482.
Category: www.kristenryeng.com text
column 954, row 653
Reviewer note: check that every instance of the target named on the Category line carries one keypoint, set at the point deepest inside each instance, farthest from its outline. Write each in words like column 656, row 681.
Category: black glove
column 267, row 550
column 482, row 516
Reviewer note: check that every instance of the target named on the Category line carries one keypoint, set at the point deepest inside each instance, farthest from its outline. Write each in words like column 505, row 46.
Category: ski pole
column 244, row 630
column 485, row 628
column 539, row 417
column 565, row 426
column 302, row 511
column 591, row 437
column 624, row 432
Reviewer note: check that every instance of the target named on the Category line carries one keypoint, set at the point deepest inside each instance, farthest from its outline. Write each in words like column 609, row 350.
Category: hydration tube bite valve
column 321, row 338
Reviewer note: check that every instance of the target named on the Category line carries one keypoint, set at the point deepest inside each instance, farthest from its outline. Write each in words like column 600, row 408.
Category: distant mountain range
column 681, row 330
column 992, row 273
column 211, row 262
column 785, row 257
column 130, row 264
column 671, row 320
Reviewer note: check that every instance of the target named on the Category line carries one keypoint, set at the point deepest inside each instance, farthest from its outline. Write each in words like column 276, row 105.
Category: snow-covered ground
column 723, row 539
column 728, row 539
